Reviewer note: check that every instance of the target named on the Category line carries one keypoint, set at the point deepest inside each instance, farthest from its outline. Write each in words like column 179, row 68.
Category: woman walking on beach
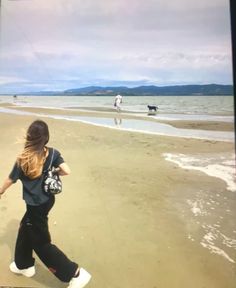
column 33, row 234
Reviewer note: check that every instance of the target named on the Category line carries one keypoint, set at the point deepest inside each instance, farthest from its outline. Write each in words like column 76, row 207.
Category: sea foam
column 222, row 167
column 214, row 236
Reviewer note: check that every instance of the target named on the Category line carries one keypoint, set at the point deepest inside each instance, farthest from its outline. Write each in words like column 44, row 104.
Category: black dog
column 152, row 108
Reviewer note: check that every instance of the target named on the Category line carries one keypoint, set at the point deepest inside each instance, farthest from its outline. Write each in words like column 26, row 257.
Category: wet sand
column 120, row 213
column 111, row 113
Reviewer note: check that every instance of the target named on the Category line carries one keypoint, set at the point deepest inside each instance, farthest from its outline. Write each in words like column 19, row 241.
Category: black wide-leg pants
column 33, row 235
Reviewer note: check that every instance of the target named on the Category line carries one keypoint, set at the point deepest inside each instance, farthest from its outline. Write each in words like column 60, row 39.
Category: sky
column 64, row 44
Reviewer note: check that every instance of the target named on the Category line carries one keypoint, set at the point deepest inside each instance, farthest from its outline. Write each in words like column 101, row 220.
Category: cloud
column 7, row 80
column 152, row 41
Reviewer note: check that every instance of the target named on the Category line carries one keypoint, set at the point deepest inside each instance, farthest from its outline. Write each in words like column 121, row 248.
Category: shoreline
column 208, row 125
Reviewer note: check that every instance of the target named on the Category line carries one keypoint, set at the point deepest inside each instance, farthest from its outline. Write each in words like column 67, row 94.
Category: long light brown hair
column 33, row 156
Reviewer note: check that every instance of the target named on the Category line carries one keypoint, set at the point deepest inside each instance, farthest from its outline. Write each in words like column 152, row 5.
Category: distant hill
column 181, row 90
column 211, row 89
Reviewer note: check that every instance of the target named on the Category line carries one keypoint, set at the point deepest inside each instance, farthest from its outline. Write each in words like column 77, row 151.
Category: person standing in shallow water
column 117, row 103
column 33, row 233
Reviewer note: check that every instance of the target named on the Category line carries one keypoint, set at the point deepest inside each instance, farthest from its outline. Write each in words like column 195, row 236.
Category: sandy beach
column 123, row 212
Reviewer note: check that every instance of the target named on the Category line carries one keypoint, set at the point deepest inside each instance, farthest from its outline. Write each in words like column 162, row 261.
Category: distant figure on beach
column 33, row 233
column 118, row 101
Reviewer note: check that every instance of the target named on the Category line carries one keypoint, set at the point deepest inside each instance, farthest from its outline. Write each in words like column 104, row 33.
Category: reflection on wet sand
column 118, row 122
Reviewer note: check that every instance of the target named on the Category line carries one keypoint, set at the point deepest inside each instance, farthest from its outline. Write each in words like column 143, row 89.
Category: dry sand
column 117, row 215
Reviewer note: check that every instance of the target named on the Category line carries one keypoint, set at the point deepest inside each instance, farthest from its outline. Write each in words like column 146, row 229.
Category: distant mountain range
column 181, row 90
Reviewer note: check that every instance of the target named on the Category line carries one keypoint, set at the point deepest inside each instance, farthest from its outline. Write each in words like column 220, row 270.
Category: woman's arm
column 6, row 184
column 63, row 169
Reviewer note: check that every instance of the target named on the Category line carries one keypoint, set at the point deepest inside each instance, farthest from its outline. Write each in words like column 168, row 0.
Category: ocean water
column 150, row 127
column 193, row 105
column 213, row 214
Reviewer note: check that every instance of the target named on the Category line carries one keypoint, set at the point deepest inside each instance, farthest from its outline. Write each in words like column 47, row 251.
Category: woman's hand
column 6, row 184
column 63, row 169
column 1, row 191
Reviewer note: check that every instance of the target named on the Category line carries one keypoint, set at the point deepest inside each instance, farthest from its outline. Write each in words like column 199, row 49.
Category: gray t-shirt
column 33, row 193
